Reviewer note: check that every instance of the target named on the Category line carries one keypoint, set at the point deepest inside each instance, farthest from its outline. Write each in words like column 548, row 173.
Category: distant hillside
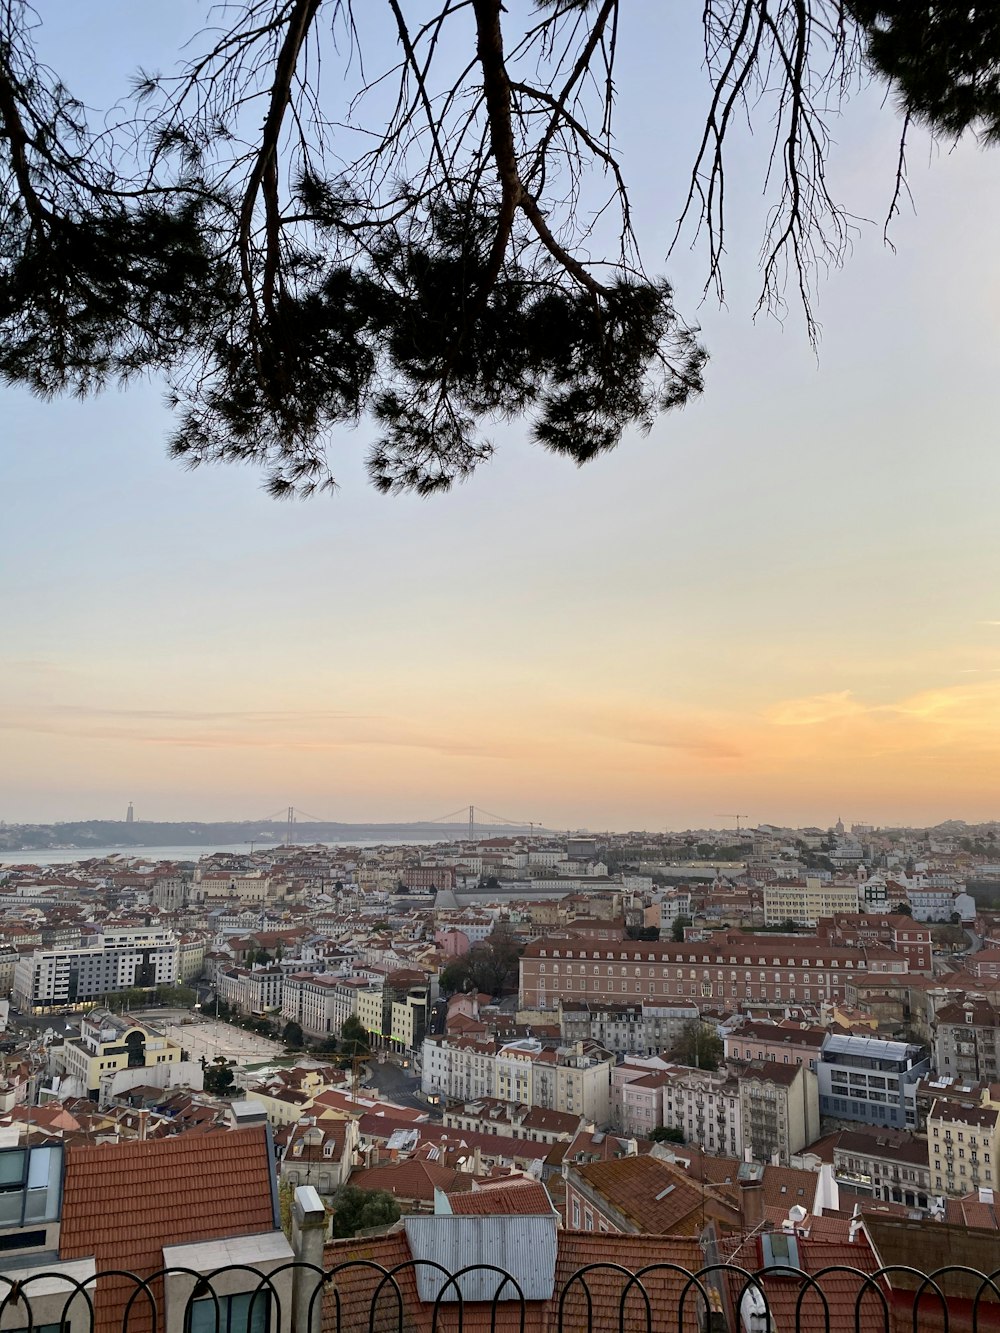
column 150, row 833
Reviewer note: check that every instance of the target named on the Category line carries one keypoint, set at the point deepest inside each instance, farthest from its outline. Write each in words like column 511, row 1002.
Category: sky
column 783, row 602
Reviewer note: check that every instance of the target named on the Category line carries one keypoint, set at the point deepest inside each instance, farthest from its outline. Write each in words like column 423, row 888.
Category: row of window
column 747, row 962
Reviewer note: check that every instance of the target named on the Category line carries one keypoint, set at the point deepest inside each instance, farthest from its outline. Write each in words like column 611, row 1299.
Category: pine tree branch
column 18, row 139
column 263, row 174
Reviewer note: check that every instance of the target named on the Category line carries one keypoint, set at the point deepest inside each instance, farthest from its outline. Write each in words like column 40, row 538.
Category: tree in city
column 357, row 1210
column 354, row 1037
column 642, row 932
column 490, row 966
column 666, row 1134
column 677, row 929
column 454, row 977
column 300, row 228
column 699, row 1046
column 903, row 909
column 219, row 1078
column 293, row 1036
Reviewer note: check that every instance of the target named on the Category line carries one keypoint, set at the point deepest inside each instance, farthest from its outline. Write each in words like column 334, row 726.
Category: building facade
column 109, row 1042
column 805, row 901
column 870, row 1080
column 963, row 1141
column 779, row 1110
column 728, row 968
column 67, row 978
column 566, row 1079
column 967, row 1041
column 626, row 1029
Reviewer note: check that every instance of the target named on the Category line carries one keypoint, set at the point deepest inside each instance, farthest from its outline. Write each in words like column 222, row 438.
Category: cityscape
column 499, row 666
column 744, row 1033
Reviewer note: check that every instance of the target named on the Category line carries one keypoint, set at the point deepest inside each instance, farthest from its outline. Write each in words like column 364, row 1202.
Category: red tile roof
column 123, row 1202
column 654, row 1197
column 414, row 1179
column 526, row 1198
column 356, row 1287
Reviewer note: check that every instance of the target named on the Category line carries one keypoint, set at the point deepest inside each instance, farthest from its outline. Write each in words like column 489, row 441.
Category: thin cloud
column 815, row 709
column 298, row 731
column 208, row 715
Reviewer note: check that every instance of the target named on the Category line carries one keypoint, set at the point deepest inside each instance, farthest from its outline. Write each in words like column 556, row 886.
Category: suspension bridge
column 475, row 819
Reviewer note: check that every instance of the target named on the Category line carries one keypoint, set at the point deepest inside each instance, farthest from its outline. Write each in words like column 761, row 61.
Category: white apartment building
column 117, row 937
column 251, row 990
column 322, row 1003
column 804, row 902
column 566, row 1079
column 64, row 978
column 705, row 1107
column 253, row 887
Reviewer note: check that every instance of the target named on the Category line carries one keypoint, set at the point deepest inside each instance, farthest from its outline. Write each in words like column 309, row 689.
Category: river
column 61, row 856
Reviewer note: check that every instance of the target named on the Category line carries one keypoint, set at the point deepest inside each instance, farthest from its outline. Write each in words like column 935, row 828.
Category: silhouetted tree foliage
column 666, row 1134
column 298, row 238
column 219, row 1078
column 698, row 1046
column 677, row 928
column 642, row 932
column 354, row 1037
column 490, row 966
column 356, row 1210
column 293, row 1034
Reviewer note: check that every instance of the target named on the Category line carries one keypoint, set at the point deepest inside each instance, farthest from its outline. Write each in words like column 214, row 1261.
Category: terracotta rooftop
column 123, row 1202
column 527, row 1198
column 654, row 1197
column 356, row 1286
column 842, row 1308
column 415, row 1179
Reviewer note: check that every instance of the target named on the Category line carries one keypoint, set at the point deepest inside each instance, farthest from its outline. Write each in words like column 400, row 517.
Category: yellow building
column 111, row 1042
column 963, row 1145
column 370, row 1011
column 804, row 902
column 191, row 956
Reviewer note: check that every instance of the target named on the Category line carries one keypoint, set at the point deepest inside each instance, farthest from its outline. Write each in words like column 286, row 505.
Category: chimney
column 308, row 1235
column 750, row 1178
column 143, row 1118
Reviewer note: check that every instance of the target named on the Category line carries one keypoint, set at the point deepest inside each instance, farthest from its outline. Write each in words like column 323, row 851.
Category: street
column 398, row 1085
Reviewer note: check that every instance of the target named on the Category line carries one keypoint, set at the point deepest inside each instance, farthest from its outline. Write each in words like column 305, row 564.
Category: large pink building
column 785, row 1044
column 728, row 967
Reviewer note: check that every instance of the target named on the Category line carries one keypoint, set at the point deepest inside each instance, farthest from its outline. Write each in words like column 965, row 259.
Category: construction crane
column 736, row 817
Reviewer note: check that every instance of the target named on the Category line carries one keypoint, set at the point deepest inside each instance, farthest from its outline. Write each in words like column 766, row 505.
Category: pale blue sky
column 773, row 604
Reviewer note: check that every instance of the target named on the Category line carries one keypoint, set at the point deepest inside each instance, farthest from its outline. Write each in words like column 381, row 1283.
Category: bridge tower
column 472, row 823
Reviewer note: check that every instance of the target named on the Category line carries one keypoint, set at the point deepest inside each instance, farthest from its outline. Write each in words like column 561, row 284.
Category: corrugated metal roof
column 524, row 1247
column 874, row 1047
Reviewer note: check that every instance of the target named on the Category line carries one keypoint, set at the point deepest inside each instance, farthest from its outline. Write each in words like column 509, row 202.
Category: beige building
column 191, row 957
column 288, row 1095
column 370, row 1010
column 806, row 901
column 567, row 1079
column 779, row 1110
column 8, row 961
column 320, row 1155
column 109, row 1042
column 963, row 1142
column 215, row 885
column 321, row 1003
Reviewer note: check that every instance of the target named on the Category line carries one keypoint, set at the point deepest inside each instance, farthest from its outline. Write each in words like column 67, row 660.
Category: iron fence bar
column 79, row 1299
